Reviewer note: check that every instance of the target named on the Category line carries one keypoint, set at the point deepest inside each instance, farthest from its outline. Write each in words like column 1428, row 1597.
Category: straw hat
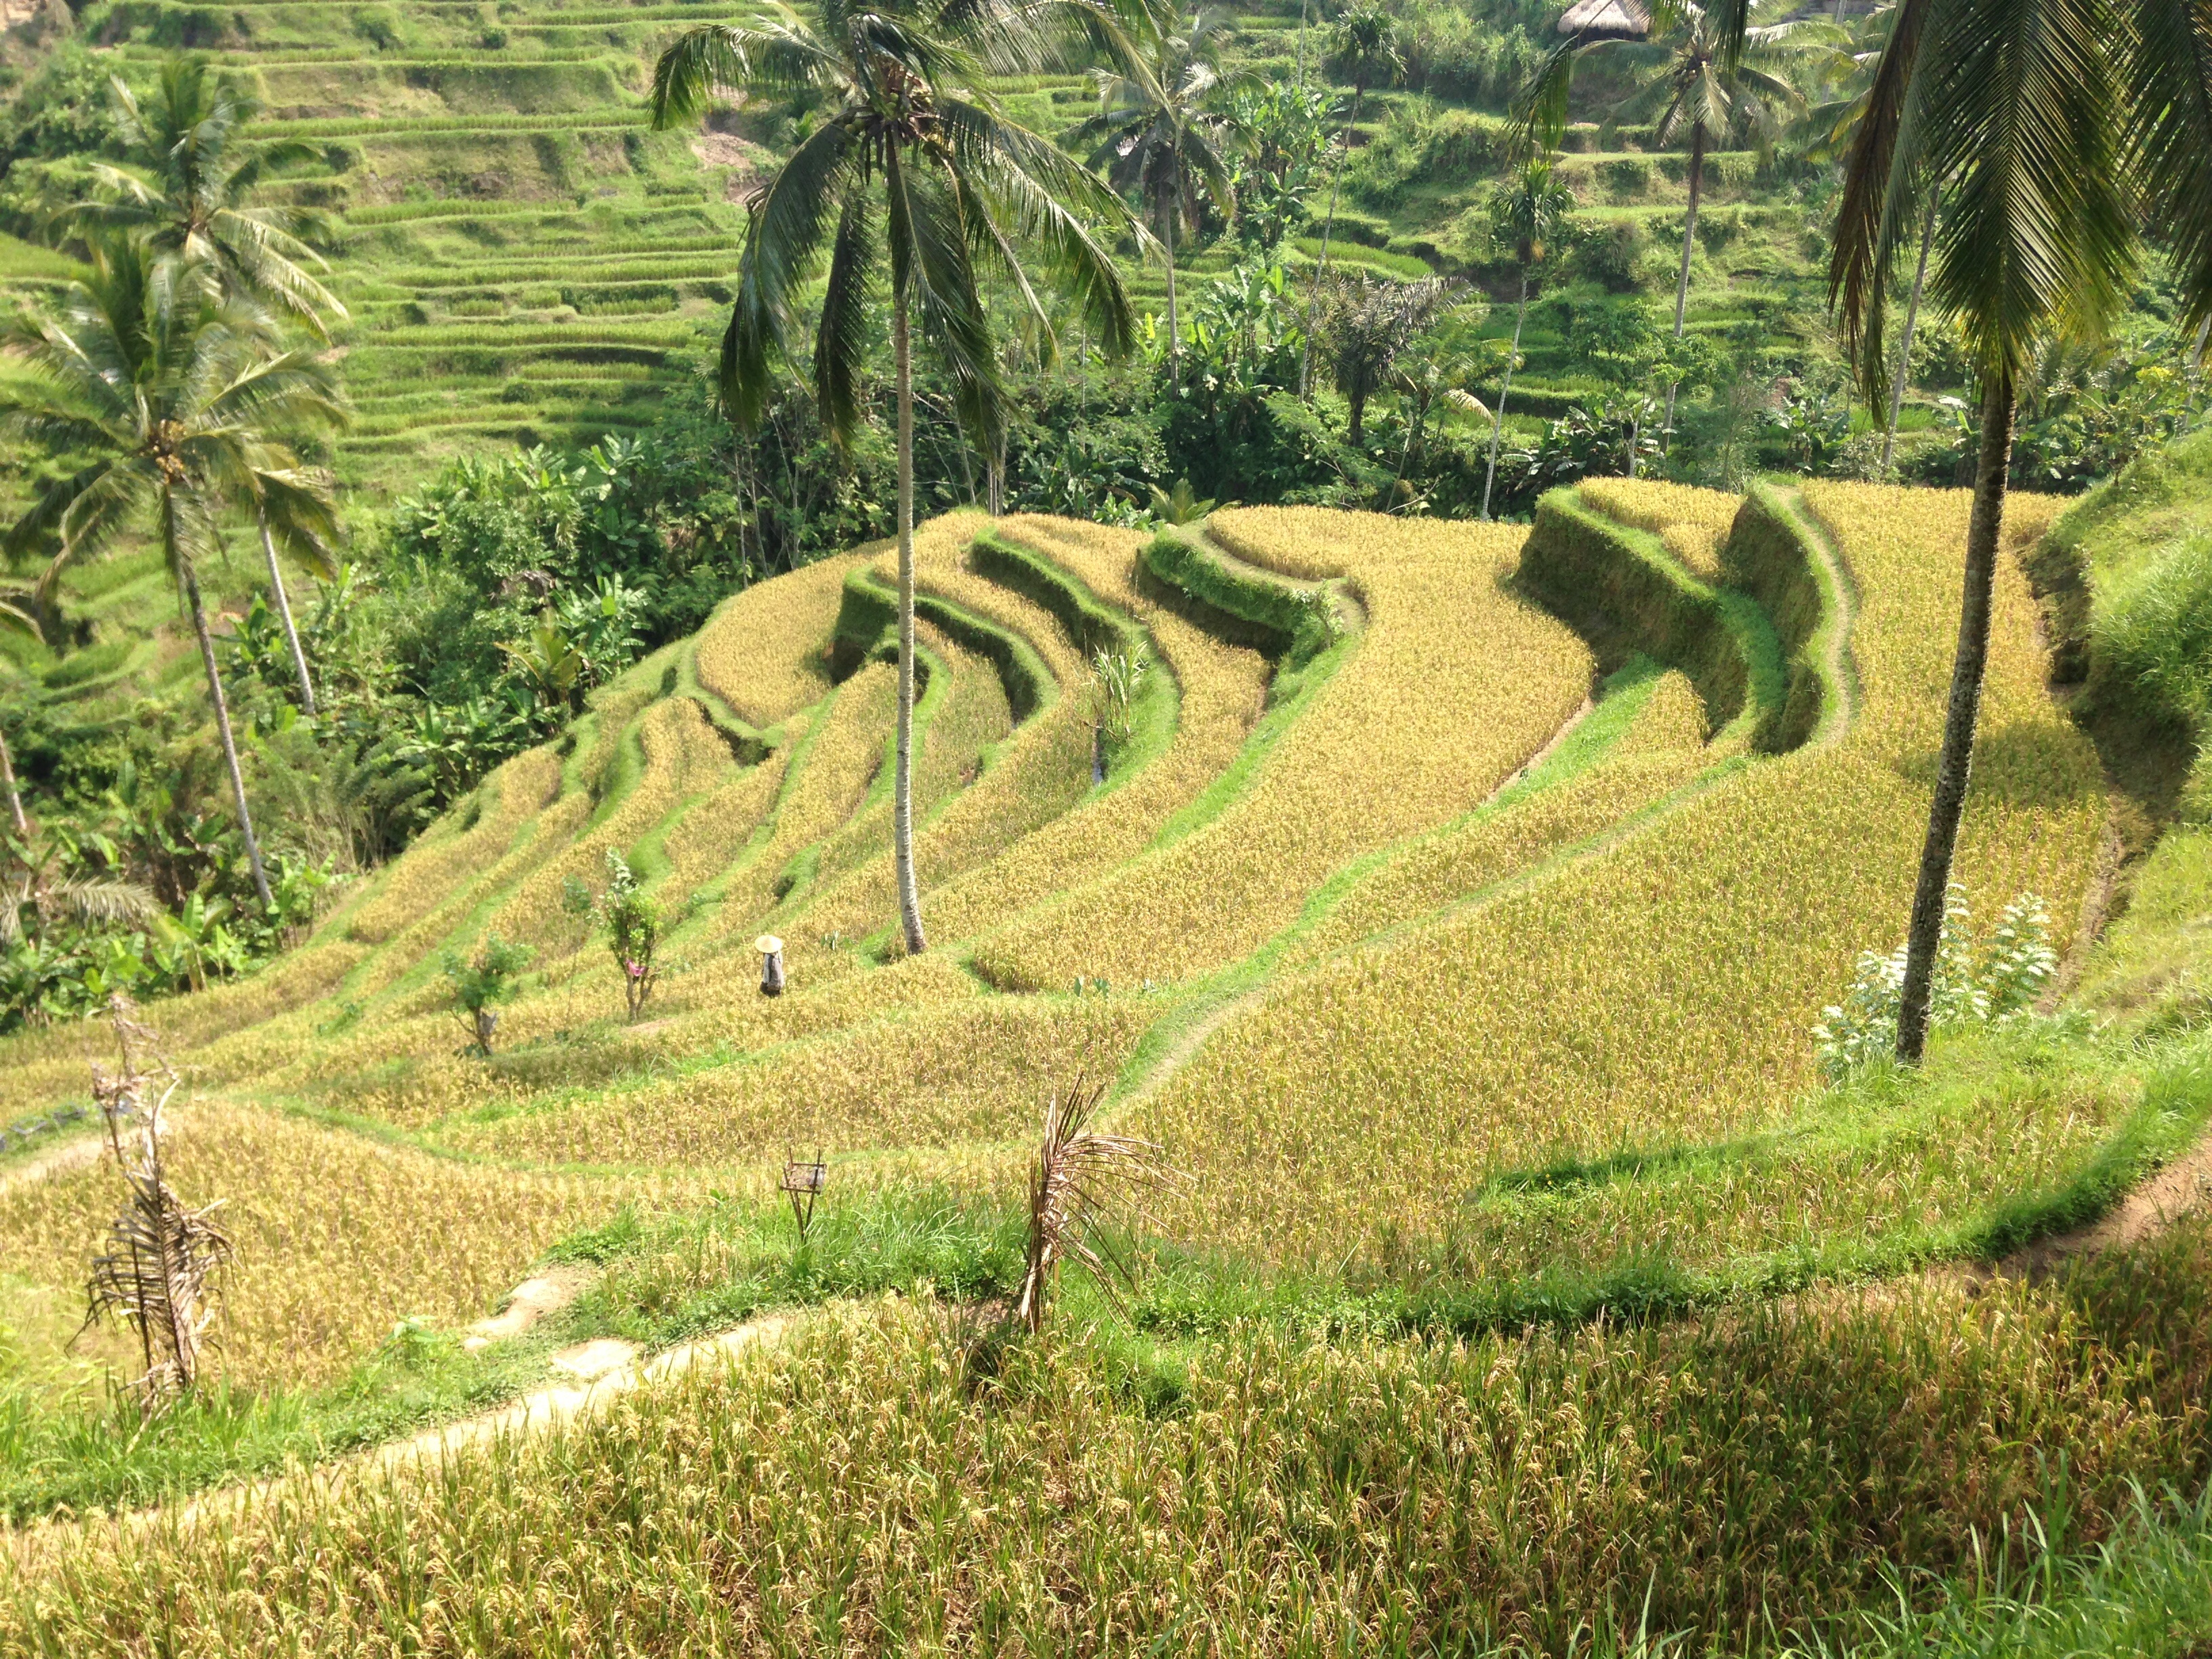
column 767, row 945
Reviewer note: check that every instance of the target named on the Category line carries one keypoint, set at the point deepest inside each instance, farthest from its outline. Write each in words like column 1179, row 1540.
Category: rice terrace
column 920, row 826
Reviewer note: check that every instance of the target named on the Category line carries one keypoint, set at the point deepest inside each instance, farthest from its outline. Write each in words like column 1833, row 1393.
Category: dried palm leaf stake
column 162, row 1258
column 1077, row 1168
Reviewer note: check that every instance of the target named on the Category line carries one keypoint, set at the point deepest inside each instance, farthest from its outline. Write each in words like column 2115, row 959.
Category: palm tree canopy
column 1372, row 320
column 1682, row 78
column 190, row 189
column 1163, row 130
column 182, row 405
column 2021, row 113
column 2121, row 85
column 1362, row 46
column 1530, row 209
column 903, row 82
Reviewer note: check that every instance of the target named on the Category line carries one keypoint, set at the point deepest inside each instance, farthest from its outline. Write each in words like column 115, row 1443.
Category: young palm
column 2047, row 124
column 186, row 411
column 1161, row 133
column 1532, row 211
column 189, row 192
column 1362, row 48
column 912, row 166
column 1686, row 81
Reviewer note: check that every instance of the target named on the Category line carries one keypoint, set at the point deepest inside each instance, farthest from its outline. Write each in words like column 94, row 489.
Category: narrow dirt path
column 2174, row 1192
column 58, row 1160
column 604, row 1370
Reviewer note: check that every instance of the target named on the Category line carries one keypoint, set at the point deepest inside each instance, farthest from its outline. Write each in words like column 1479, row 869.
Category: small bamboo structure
column 159, row 1271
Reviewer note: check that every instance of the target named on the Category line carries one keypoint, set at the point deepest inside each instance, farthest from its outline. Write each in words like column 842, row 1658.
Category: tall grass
column 880, row 1478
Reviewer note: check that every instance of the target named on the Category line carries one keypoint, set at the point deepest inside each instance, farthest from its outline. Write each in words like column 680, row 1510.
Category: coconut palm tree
column 1685, row 79
column 186, row 410
column 913, row 166
column 189, row 190
column 2048, row 125
column 1161, row 132
column 1532, row 211
column 1363, row 49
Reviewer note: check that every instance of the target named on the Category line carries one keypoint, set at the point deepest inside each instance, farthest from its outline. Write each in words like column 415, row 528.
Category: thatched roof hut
column 1606, row 20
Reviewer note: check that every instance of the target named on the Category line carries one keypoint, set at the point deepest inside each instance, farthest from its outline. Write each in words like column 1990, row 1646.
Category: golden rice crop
column 940, row 566
column 966, row 717
column 970, row 1070
column 1031, row 783
column 1693, row 522
column 1222, row 689
column 828, row 779
column 765, row 652
column 1455, row 685
column 1842, row 1181
column 683, row 756
column 599, row 736
column 1461, row 862
column 1259, row 536
column 1762, row 1471
column 450, row 854
column 713, row 831
column 1662, row 989
column 708, row 1007
column 337, row 1237
column 1673, row 719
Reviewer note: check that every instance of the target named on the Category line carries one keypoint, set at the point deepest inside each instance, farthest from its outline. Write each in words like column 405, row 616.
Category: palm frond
column 723, row 57
column 2038, row 229
column 43, row 519
column 840, row 343
column 2169, row 73
column 1881, row 165
column 788, row 223
column 1072, row 1189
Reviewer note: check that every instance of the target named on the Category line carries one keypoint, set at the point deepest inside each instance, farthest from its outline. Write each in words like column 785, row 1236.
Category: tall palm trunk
column 1904, row 346
column 1983, row 533
column 222, row 708
column 284, row 614
column 1328, row 228
column 902, row 775
column 1498, row 419
column 1682, row 284
column 1167, row 239
column 15, row 798
column 1405, row 451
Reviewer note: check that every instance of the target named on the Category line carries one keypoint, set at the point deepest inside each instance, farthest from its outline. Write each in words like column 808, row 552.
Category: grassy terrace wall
column 1621, row 590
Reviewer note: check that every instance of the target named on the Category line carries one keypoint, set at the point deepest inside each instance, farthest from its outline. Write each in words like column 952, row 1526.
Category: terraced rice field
column 1461, row 952
column 524, row 260
column 1452, row 892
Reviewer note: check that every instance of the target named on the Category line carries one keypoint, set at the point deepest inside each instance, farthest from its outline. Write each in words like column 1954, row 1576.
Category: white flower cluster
column 1996, row 983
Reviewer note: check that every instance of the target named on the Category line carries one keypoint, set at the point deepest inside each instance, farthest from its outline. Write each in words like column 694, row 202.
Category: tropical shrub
column 631, row 921
column 483, row 981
